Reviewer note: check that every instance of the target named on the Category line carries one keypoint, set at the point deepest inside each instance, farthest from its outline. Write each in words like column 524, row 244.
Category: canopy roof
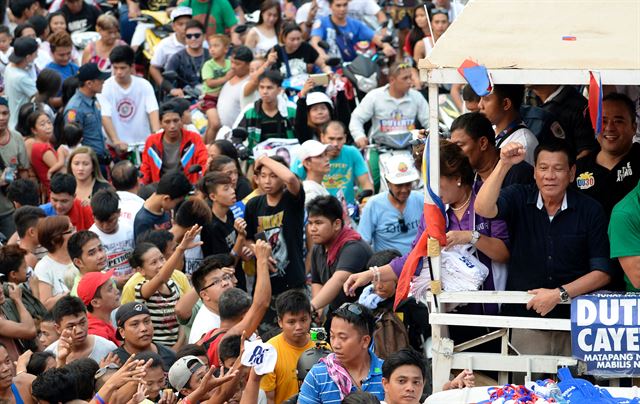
column 526, row 40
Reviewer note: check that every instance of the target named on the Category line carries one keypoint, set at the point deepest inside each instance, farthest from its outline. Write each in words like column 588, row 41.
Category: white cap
column 181, row 12
column 311, row 148
column 318, row 97
column 182, row 370
column 259, row 355
column 399, row 169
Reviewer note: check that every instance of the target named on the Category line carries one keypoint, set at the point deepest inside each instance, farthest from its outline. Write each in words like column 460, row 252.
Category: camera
column 318, row 334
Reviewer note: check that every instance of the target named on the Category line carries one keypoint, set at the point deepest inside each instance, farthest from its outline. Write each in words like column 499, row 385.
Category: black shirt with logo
column 84, row 21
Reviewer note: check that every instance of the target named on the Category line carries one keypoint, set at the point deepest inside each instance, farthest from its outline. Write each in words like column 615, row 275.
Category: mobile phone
column 321, row 79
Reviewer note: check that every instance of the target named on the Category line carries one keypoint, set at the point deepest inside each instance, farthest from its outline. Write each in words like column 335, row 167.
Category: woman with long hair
column 48, row 85
column 54, row 270
column 264, row 36
column 84, row 166
column 439, row 23
column 295, row 56
column 98, row 52
column 227, row 165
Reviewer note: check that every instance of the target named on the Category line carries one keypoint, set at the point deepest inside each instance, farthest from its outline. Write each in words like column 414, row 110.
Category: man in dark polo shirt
column 559, row 246
column 610, row 174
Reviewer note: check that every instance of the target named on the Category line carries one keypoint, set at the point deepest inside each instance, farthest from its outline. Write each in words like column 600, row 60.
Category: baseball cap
column 90, row 283
column 90, row 71
column 311, row 148
column 128, row 310
column 23, row 47
column 318, row 97
column 181, row 12
column 243, row 54
column 399, row 169
column 182, row 370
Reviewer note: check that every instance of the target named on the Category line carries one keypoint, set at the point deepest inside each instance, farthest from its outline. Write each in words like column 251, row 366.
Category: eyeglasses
column 216, row 282
column 102, row 371
column 403, row 226
column 193, row 36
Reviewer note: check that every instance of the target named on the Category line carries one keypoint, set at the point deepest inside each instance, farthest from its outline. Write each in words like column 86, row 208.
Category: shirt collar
column 540, row 204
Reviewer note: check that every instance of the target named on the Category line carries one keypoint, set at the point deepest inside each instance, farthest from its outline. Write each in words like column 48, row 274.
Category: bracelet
column 100, row 400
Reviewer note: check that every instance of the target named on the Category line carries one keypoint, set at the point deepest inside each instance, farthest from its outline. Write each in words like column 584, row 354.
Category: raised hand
column 188, row 239
column 512, row 153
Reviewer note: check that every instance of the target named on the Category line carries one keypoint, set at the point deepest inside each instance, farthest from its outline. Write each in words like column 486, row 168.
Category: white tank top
column 265, row 43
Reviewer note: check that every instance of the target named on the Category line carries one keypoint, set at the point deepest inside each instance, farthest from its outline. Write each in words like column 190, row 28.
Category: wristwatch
column 564, row 295
column 475, row 236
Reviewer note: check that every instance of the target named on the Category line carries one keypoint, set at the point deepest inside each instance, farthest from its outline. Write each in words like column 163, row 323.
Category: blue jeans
column 127, row 27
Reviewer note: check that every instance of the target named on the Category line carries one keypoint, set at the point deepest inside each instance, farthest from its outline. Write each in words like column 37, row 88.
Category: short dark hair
column 233, row 303
column 26, row 217
column 147, row 190
column 49, row 82
column 292, row 302
column 193, row 211
column 77, row 241
column 360, row 397
column 67, row 306
column 217, row 162
column 105, row 203
column 18, row 7
column 624, row 100
column 136, row 260
column 169, row 107
column 175, row 185
column 156, row 359
column 11, row 258
column 273, row 76
column 193, row 23
column 5, row 30
column 514, row 92
column 404, row 357
column 122, row 54
column 208, row 265
column 327, row 206
column 555, row 145
column 229, row 347
column 24, row 192
column 468, row 94
column 38, row 362
column 71, row 134
column 476, row 125
column 159, row 238
column 85, row 385
column 213, row 179
column 39, row 23
column 275, row 157
column 62, row 183
column 56, row 385
column 383, row 257
column 357, row 315
column 124, row 175
column 191, row 350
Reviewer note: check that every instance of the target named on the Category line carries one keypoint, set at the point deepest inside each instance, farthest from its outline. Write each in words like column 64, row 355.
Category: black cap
column 243, row 54
column 90, row 71
column 23, row 47
column 175, row 185
column 128, row 310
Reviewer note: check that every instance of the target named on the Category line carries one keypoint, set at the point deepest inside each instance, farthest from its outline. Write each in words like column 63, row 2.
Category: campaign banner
column 605, row 333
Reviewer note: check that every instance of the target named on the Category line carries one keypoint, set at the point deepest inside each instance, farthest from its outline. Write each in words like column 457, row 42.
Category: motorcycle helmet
column 309, row 358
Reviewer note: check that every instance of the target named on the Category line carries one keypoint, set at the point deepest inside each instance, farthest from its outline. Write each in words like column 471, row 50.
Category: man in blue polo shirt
column 559, row 246
column 351, row 366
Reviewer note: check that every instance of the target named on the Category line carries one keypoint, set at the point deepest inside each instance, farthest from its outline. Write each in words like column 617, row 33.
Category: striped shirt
column 163, row 312
column 318, row 387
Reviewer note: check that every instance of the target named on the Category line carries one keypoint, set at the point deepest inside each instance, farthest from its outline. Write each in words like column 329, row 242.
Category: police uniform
column 608, row 186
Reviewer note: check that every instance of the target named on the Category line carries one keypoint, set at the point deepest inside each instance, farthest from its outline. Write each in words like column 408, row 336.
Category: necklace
column 463, row 205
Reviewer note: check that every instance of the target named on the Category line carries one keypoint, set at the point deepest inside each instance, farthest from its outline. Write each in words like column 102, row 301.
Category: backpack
column 389, row 334
column 210, row 342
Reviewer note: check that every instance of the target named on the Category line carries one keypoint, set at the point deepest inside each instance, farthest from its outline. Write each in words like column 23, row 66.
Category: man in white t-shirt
column 502, row 108
column 170, row 45
column 210, row 280
column 124, row 177
column 115, row 233
column 358, row 9
column 315, row 160
column 129, row 105
column 234, row 90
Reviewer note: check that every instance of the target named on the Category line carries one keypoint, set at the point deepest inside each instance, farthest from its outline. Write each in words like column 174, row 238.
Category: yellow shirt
column 284, row 379
column 129, row 289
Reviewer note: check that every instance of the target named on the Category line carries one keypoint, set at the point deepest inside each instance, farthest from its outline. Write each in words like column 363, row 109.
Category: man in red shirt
column 64, row 202
column 98, row 292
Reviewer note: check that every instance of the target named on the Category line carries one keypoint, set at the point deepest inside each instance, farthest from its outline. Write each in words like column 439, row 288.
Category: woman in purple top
column 456, row 190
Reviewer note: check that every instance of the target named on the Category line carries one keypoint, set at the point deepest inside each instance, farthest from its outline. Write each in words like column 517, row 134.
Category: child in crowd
column 69, row 140
column 47, row 332
column 5, row 51
column 215, row 72
column 61, row 46
column 158, row 291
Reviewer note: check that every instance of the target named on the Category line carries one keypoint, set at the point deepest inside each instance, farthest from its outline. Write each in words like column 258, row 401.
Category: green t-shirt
column 212, row 70
column 624, row 229
column 221, row 16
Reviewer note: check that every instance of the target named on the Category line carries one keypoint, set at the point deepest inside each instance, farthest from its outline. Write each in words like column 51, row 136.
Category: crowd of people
column 137, row 275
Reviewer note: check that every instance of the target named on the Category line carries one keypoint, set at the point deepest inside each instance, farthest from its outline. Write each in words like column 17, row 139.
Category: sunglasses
column 403, row 225
column 351, row 308
column 102, row 371
column 439, row 11
column 193, row 36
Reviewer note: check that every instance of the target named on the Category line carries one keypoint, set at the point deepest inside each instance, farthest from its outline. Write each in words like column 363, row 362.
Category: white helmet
column 399, row 169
